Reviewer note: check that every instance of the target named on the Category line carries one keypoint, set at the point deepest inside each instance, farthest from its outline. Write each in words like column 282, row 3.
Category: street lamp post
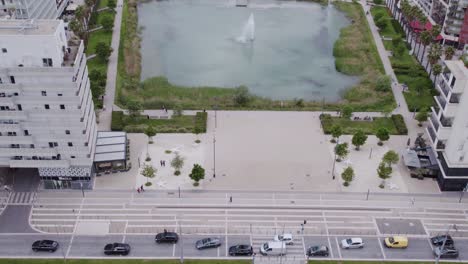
column 463, row 192
column 214, row 156
column 181, row 242
column 334, row 159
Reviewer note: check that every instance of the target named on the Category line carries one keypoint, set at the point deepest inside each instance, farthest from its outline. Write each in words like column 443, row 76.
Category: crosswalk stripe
column 21, row 198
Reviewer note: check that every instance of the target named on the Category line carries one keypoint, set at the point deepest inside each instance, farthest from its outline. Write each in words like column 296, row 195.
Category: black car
column 320, row 250
column 241, row 250
column 166, row 237
column 117, row 249
column 447, row 252
column 208, row 243
column 45, row 245
column 439, row 240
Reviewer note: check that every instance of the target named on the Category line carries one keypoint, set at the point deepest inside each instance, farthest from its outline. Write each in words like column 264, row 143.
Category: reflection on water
column 193, row 43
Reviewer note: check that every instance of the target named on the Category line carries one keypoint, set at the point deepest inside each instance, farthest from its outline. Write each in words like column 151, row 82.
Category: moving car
column 320, row 250
column 349, row 243
column 241, row 250
column 273, row 248
column 396, row 242
column 439, row 240
column 117, row 249
column 208, row 243
column 166, row 237
column 45, row 245
column 447, row 252
column 287, row 238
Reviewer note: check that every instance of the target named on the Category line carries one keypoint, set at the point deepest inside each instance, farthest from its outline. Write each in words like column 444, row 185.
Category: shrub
column 378, row 16
column 378, row 2
column 148, row 184
column 117, row 123
column 400, row 125
column 197, row 141
column 168, row 151
column 242, row 96
column 200, row 122
column 383, row 83
column 398, row 29
column 177, row 172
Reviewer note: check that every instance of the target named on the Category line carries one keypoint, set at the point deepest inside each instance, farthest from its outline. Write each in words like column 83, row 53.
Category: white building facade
column 448, row 128
column 32, row 9
column 47, row 118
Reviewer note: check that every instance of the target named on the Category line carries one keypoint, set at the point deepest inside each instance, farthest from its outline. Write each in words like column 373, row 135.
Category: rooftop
column 10, row 27
column 110, row 146
column 457, row 68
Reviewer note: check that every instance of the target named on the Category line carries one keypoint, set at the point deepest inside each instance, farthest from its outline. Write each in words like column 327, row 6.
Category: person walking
column 142, row 188
column 138, row 190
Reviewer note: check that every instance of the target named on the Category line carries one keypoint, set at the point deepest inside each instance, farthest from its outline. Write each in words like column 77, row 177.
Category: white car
column 355, row 242
column 287, row 238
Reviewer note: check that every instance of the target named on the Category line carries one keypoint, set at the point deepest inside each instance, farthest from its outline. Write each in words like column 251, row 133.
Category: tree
column 150, row 133
column 197, row 174
column 382, row 134
column 384, row 173
column 148, row 172
column 359, row 138
column 396, row 41
column 383, row 83
column 381, row 23
column 336, row 132
column 111, row 4
column 107, row 23
column 390, row 158
column 242, row 96
column 177, row 163
column 134, row 108
column 378, row 16
column 400, row 49
column 347, row 175
column 449, row 52
column 426, row 39
column 436, row 70
column 346, row 112
column 103, row 50
column 341, row 151
column 421, row 116
column 435, row 52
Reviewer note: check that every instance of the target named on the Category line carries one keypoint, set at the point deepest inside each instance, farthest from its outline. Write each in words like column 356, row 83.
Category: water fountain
column 248, row 32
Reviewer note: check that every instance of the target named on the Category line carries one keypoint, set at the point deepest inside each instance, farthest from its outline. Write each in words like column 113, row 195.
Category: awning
column 410, row 158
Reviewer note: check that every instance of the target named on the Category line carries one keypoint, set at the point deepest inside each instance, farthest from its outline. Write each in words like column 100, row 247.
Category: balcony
column 435, row 122
column 446, row 122
column 432, row 134
column 39, row 163
column 455, row 98
column 444, row 88
column 441, row 101
column 440, row 145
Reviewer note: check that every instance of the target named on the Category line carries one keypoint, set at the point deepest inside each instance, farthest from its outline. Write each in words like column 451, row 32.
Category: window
column 44, row 93
column 4, row 50
column 1, row 80
column 26, row 133
column 2, row 94
column 53, row 144
column 70, row 144
column 67, row 132
column 12, row 79
column 86, row 144
column 46, row 106
column 59, row 94
column 62, row 106
column 72, row 157
column 20, row 108
column 47, row 62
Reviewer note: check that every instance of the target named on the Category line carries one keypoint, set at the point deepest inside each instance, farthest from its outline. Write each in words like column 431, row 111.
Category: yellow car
column 396, row 242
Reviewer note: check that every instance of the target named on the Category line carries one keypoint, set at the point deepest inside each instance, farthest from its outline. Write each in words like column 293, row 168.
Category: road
column 83, row 225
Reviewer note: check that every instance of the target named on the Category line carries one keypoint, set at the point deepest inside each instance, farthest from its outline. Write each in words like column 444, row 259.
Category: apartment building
column 47, row 118
column 32, row 9
column 448, row 128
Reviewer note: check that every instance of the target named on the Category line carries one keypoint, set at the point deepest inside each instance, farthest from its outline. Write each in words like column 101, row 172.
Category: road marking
column 330, row 247
column 218, row 250
column 304, row 246
column 226, row 233
column 338, row 246
column 173, row 248
column 381, row 248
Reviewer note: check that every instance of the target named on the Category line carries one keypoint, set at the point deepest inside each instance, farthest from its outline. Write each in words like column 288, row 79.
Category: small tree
column 449, row 52
column 111, row 4
column 148, row 172
column 107, row 23
column 382, row 134
column 177, row 163
column 341, row 151
column 390, row 158
column 346, row 112
column 134, row 108
column 242, row 96
column 103, row 50
column 359, row 138
column 381, row 23
column 336, row 132
column 421, row 116
column 197, row 130
column 150, row 132
column 347, row 175
column 197, row 174
column 383, row 83
column 384, row 173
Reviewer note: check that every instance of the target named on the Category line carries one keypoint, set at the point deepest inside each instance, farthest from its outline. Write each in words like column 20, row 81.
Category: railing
column 444, row 87
column 440, row 145
column 432, row 133
column 446, row 122
column 435, row 122
column 455, row 98
column 441, row 101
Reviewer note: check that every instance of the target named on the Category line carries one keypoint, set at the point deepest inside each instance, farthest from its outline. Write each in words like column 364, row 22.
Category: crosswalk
column 21, row 198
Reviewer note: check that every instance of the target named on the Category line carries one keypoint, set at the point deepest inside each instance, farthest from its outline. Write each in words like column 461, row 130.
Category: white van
column 273, row 248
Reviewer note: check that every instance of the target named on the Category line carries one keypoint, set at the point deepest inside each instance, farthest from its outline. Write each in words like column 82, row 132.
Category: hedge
column 400, row 124
column 117, row 123
column 200, row 122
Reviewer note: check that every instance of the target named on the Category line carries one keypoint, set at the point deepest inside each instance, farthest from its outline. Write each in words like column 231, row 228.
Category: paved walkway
column 413, row 128
column 105, row 116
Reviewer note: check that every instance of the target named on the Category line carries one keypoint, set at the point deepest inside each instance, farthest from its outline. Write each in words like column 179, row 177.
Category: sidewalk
column 105, row 115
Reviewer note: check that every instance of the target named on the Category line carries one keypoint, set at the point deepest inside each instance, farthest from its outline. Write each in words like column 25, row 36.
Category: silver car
column 355, row 242
column 208, row 243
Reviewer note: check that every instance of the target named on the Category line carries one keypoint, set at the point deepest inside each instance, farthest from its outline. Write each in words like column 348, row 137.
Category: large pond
column 280, row 50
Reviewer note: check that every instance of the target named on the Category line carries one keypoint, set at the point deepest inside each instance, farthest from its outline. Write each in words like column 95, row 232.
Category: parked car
column 45, row 245
column 287, row 238
column 167, row 237
column 273, row 248
column 241, row 250
column 349, row 243
column 210, row 242
column 396, row 242
column 447, row 252
column 439, row 240
column 117, row 249
column 316, row 251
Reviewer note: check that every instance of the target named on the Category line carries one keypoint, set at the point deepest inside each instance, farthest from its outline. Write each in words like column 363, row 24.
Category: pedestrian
column 165, row 110
column 230, row 199
column 138, row 190
column 160, row 163
column 164, row 163
column 142, row 188
column 398, row 104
